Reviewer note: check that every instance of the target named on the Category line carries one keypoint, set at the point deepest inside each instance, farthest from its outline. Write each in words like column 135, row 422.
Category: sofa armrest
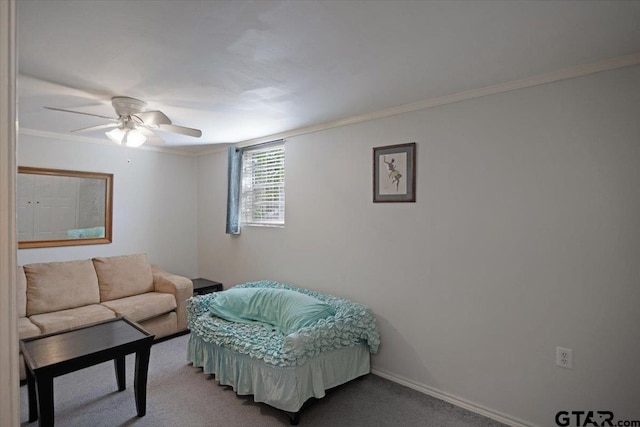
column 180, row 287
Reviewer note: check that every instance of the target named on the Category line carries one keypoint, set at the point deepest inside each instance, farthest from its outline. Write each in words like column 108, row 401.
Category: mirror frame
column 108, row 177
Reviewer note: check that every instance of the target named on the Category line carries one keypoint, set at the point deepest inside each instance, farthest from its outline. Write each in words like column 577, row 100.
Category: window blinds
column 262, row 195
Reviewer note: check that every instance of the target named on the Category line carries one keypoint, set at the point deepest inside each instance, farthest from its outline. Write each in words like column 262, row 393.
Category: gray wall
column 525, row 236
column 154, row 201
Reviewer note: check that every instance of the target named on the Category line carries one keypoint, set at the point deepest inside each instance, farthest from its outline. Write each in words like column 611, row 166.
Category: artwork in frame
column 394, row 173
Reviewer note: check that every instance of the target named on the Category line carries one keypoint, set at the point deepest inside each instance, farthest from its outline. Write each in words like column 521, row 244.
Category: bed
column 281, row 364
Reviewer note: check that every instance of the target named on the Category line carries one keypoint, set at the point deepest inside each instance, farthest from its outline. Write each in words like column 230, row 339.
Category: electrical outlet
column 564, row 357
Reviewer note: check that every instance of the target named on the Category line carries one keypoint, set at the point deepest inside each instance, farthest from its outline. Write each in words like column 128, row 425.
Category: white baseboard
column 465, row 404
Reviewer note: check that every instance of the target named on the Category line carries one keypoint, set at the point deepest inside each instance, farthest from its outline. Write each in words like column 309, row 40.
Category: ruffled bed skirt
column 285, row 388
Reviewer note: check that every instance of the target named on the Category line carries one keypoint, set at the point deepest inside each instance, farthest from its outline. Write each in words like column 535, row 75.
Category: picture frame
column 394, row 173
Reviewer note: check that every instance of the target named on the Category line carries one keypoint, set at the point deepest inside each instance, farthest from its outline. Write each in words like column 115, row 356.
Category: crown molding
column 85, row 139
column 217, row 148
column 540, row 79
column 554, row 76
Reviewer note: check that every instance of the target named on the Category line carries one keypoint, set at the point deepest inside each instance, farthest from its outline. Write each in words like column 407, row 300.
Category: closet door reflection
column 62, row 208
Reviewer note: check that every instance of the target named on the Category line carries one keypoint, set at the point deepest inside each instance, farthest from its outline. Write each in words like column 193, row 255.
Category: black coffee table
column 52, row 355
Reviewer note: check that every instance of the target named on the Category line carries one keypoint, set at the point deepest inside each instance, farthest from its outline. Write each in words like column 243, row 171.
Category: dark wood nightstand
column 205, row 286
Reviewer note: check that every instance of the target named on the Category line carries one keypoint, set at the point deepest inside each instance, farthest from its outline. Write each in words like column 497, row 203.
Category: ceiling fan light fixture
column 134, row 138
column 130, row 137
column 116, row 135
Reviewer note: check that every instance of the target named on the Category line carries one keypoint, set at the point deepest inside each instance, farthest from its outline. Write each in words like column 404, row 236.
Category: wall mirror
column 63, row 208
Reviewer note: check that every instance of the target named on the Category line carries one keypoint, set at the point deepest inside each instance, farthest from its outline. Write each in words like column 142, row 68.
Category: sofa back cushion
column 22, row 293
column 55, row 286
column 123, row 276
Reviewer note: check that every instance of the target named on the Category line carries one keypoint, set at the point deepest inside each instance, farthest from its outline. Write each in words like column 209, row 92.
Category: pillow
column 55, row 286
column 123, row 276
column 287, row 310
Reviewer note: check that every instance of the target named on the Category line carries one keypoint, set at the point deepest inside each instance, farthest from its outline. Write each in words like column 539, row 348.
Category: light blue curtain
column 234, row 177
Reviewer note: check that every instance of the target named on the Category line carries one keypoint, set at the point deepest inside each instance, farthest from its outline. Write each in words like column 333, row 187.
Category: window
column 262, row 193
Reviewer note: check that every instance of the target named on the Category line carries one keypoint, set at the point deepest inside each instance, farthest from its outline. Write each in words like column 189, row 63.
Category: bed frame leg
column 294, row 418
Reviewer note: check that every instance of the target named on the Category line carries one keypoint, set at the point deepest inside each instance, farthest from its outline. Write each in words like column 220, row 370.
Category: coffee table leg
column 120, row 363
column 45, row 400
column 140, row 379
column 33, row 401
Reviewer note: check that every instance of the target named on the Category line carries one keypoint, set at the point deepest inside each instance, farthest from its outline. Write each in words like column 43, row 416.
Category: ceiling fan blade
column 151, row 118
column 80, row 112
column 104, row 126
column 197, row 133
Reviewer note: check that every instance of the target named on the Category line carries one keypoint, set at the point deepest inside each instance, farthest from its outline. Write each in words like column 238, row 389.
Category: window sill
column 248, row 224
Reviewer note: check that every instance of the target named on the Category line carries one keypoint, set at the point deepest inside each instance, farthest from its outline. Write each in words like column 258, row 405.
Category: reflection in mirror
column 63, row 208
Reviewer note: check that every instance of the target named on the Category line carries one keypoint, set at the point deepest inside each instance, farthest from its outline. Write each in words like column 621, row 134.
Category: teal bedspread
column 285, row 388
column 352, row 324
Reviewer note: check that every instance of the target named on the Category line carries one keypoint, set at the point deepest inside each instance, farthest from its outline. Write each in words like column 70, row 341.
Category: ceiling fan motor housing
column 126, row 106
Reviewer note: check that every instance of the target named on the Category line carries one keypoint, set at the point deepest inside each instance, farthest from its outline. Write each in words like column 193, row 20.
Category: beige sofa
column 60, row 295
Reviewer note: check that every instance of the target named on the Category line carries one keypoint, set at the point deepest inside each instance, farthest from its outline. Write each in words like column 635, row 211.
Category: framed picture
column 394, row 173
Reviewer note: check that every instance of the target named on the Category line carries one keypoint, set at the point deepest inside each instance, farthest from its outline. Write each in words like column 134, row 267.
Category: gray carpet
column 180, row 395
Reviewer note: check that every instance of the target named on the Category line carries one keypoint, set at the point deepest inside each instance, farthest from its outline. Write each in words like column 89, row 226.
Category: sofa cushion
column 123, row 276
column 55, row 286
column 26, row 329
column 142, row 307
column 22, row 292
column 72, row 318
column 161, row 326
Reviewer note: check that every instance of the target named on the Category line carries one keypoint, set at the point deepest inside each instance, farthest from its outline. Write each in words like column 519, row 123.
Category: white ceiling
column 241, row 70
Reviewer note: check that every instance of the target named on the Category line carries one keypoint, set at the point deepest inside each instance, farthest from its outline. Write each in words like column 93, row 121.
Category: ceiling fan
column 133, row 125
